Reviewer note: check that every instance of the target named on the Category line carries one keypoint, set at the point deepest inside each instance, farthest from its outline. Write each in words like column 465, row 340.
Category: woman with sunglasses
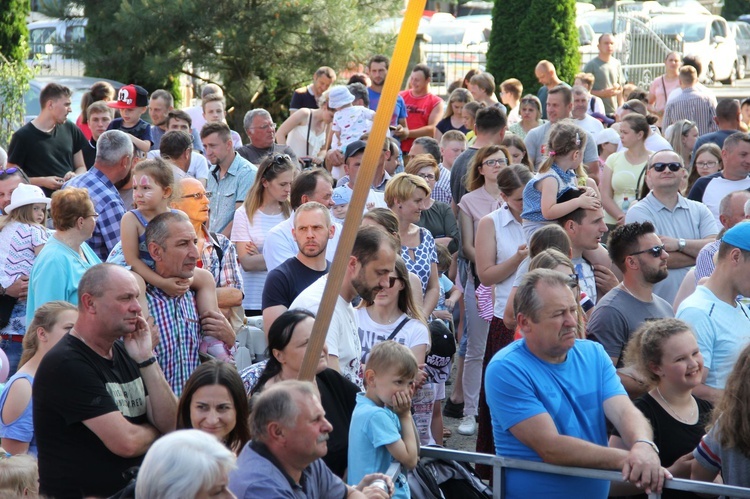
column 393, row 315
column 531, row 116
column 707, row 161
column 266, row 205
column 664, row 352
column 623, row 170
column 682, row 136
column 482, row 199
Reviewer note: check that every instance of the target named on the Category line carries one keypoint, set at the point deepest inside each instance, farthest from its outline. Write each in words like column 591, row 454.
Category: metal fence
column 500, row 464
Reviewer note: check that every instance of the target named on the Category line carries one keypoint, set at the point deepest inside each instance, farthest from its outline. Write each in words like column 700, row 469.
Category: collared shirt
column 442, row 190
column 259, row 474
column 691, row 105
column 108, row 204
column 179, row 335
column 226, row 270
column 229, row 190
column 688, row 220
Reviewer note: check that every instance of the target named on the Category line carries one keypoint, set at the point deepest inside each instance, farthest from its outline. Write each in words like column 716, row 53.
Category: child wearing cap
column 607, row 141
column 341, row 197
column 22, row 236
column 132, row 102
column 349, row 122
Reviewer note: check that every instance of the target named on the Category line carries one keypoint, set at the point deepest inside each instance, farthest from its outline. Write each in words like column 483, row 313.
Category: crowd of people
column 582, row 251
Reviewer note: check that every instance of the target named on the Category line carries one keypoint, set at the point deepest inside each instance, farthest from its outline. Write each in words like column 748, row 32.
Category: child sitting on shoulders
column 382, row 429
column 349, row 122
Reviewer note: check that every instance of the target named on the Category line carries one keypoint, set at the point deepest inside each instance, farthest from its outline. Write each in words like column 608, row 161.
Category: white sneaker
column 468, row 425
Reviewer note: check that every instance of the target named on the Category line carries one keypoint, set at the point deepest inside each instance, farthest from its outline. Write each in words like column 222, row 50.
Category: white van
column 50, row 40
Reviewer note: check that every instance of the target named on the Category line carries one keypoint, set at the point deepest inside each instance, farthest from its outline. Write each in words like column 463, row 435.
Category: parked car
column 602, row 21
column 741, row 32
column 455, row 47
column 51, row 40
column 707, row 37
column 78, row 84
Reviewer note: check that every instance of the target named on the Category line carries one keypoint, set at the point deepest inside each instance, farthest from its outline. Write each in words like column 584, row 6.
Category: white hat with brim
column 26, row 194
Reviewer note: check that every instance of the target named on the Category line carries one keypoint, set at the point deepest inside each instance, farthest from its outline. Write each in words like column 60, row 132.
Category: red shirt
column 419, row 109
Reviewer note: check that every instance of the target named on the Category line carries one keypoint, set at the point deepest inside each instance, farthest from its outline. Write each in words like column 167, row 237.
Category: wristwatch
column 649, row 443
column 681, row 243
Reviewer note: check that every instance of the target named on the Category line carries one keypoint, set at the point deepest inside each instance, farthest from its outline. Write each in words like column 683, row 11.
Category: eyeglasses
column 656, row 251
column 95, row 215
column 660, row 167
column 495, row 162
column 706, row 164
column 198, row 195
column 7, row 172
column 427, row 176
column 392, row 280
column 272, row 126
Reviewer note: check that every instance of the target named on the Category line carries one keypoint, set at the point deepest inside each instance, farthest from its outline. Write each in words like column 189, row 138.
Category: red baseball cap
column 129, row 97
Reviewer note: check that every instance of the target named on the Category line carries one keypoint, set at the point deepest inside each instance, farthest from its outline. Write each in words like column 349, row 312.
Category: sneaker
column 468, row 425
column 453, row 410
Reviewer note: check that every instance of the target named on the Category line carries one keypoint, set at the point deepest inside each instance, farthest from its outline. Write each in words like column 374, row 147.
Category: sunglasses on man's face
column 656, row 251
column 660, row 167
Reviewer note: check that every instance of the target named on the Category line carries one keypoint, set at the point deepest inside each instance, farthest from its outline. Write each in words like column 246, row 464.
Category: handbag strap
column 664, row 86
column 398, row 328
column 307, row 143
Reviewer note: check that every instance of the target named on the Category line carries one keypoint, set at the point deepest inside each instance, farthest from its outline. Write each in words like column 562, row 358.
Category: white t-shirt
column 590, row 124
column 198, row 168
column 342, row 339
column 413, row 334
column 280, row 244
column 242, row 231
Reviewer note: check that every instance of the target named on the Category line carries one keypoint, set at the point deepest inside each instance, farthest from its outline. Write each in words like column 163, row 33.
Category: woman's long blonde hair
column 270, row 168
column 45, row 317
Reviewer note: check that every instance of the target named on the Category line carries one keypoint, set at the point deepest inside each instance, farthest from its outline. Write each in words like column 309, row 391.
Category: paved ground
column 456, row 441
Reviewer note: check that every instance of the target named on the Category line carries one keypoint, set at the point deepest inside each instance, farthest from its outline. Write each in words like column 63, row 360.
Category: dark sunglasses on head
column 660, row 167
column 279, row 163
column 573, row 280
column 7, row 172
column 656, row 251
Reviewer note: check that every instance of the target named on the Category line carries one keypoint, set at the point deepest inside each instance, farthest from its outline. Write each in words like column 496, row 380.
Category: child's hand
column 370, row 205
column 421, row 377
column 401, row 403
column 590, row 191
column 442, row 315
column 449, row 304
column 589, row 203
column 175, row 286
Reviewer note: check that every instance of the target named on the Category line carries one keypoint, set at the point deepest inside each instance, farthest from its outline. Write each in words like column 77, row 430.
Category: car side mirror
column 719, row 39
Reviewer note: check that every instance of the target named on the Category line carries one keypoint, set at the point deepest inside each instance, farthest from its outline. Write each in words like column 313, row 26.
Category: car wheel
column 733, row 74
column 710, row 75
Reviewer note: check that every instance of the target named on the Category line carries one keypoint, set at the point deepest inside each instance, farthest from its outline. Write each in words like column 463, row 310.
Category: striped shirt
column 442, row 190
column 179, row 335
column 694, row 106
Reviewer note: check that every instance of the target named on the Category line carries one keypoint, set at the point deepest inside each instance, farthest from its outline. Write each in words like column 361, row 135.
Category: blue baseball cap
column 341, row 195
column 738, row 236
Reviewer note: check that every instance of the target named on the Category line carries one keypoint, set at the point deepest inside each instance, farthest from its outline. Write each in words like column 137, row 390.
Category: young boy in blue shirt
column 382, row 429
column 132, row 102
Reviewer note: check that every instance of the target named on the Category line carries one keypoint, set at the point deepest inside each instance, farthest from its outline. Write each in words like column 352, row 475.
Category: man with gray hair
column 550, row 395
column 261, row 130
column 290, row 436
column 114, row 155
column 581, row 117
column 171, row 241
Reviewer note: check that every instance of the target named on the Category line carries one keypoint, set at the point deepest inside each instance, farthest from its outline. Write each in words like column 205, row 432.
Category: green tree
column 734, row 8
column 524, row 33
column 14, row 83
column 259, row 51
column 13, row 29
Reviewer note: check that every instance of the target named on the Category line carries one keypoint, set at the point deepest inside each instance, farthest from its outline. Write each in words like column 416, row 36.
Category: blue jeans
column 13, row 351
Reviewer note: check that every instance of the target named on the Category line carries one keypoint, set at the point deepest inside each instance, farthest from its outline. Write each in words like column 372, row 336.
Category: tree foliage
column 525, row 32
column 14, row 83
column 734, row 8
column 13, row 31
column 259, row 51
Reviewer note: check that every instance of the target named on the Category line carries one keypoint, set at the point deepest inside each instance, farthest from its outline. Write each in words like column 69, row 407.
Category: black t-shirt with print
column 74, row 384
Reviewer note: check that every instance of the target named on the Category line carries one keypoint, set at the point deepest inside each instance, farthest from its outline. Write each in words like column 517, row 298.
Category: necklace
column 692, row 413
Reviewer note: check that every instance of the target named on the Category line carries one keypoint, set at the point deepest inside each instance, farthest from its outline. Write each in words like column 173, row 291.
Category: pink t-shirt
column 477, row 204
column 657, row 89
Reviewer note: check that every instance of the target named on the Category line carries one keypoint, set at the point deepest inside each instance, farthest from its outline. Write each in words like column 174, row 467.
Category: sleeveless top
column 116, row 256
column 22, row 429
column 532, row 197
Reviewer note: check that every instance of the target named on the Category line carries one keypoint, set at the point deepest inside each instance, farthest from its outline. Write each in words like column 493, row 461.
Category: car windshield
column 691, row 31
column 602, row 24
column 445, row 34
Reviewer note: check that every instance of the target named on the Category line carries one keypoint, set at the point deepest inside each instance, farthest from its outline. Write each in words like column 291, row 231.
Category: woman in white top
column 305, row 131
column 624, row 169
column 266, row 205
column 393, row 315
column 500, row 249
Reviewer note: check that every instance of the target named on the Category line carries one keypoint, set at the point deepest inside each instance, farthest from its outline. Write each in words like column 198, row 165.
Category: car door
column 724, row 50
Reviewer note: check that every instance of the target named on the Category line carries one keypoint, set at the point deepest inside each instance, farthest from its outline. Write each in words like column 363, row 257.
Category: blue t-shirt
column 141, row 130
column 22, row 428
column 371, row 429
column 398, row 113
column 519, row 386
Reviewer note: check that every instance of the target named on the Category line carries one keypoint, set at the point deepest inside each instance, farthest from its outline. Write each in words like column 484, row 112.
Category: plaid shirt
column 108, row 204
column 227, row 274
column 179, row 335
column 442, row 190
